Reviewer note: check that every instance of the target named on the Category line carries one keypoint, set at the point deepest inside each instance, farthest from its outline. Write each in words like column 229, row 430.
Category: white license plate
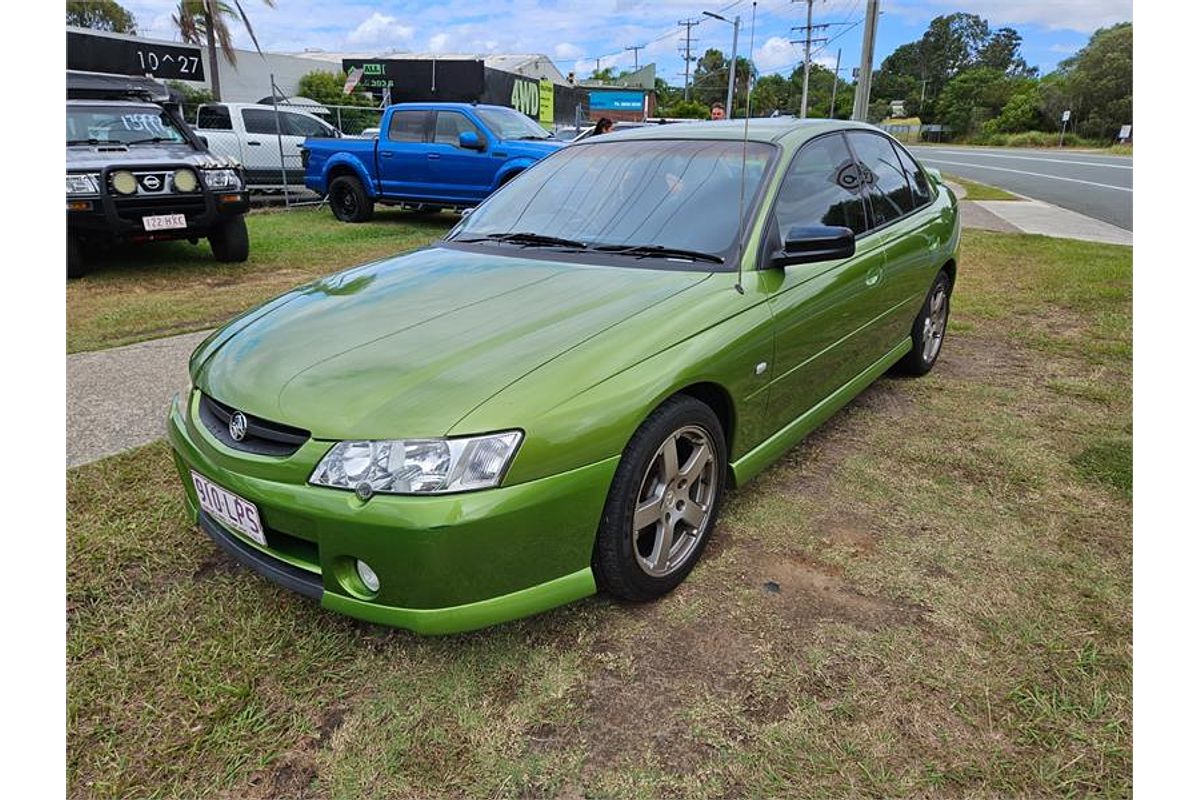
column 164, row 222
column 239, row 514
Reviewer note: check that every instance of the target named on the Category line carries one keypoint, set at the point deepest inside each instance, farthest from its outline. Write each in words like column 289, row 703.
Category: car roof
column 450, row 106
column 109, row 103
column 760, row 129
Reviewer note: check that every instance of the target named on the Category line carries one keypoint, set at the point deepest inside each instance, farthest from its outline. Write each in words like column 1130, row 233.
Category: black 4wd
column 137, row 173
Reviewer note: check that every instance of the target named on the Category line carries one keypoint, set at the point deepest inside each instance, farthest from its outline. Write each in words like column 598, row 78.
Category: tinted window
column 887, row 188
column 677, row 194
column 822, row 187
column 300, row 125
column 262, row 120
column 214, row 118
column 407, row 126
column 449, row 125
column 922, row 194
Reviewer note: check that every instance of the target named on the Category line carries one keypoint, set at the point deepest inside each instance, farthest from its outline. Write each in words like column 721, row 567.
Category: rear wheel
column 929, row 329
column 76, row 267
column 663, row 502
column 230, row 241
column 349, row 200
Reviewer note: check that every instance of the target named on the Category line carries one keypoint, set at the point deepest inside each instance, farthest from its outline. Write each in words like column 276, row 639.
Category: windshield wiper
column 657, row 251
column 151, row 140
column 88, row 141
column 527, row 239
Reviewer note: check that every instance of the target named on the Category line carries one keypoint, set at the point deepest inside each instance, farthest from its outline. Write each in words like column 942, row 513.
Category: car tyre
column 348, row 200
column 76, row 265
column 230, row 241
column 929, row 329
column 654, row 494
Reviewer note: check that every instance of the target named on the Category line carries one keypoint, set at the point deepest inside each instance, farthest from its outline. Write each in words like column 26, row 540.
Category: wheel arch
column 951, row 269
column 339, row 167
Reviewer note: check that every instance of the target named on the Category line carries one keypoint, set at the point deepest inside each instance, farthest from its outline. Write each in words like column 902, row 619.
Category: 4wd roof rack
column 100, row 86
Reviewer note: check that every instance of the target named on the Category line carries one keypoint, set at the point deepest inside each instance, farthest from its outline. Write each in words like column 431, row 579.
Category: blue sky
column 575, row 34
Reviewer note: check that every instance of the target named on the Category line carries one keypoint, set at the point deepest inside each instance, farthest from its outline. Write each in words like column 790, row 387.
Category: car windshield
column 120, row 125
column 675, row 195
column 507, row 123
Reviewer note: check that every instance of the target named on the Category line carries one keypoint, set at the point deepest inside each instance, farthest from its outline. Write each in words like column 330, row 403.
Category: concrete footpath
column 117, row 398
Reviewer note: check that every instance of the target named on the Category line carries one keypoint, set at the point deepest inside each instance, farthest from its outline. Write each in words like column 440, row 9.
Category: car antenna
column 745, row 137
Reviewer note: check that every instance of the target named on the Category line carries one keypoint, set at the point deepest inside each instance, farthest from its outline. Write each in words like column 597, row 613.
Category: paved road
column 1097, row 185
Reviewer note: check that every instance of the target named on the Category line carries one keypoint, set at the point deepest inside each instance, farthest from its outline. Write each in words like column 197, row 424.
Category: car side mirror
column 203, row 141
column 469, row 140
column 807, row 244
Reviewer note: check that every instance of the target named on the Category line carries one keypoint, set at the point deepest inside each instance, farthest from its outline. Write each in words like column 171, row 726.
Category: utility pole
column 688, row 24
column 635, row 49
column 807, row 41
column 862, row 93
column 837, row 70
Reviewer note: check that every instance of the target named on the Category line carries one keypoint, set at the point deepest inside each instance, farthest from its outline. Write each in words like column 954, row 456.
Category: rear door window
column 214, row 118
column 823, row 186
column 407, row 126
column 885, row 182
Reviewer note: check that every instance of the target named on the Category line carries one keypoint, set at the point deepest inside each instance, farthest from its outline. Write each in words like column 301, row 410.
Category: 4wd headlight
column 418, row 466
column 221, row 179
column 83, row 183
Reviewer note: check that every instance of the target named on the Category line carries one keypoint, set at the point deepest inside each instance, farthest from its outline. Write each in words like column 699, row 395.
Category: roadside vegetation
column 930, row 597
column 148, row 291
column 979, row 191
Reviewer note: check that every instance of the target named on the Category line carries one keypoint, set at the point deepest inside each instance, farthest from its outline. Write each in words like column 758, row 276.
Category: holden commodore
column 553, row 399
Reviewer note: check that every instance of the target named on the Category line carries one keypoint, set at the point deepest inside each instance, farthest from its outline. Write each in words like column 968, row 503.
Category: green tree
column 711, row 82
column 1099, row 82
column 100, row 15
column 687, row 109
column 973, row 97
column 202, row 21
column 326, row 89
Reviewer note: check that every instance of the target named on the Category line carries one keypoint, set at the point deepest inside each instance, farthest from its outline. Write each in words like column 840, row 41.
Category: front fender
column 339, row 162
column 511, row 168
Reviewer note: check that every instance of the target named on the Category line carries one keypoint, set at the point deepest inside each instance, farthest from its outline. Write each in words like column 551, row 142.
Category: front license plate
column 164, row 222
column 239, row 514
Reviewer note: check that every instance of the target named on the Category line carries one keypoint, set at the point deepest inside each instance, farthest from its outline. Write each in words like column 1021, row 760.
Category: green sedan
column 552, row 400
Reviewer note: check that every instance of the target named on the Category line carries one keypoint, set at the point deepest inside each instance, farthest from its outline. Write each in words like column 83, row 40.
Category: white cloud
column 567, row 50
column 380, row 30
column 774, row 54
column 437, row 42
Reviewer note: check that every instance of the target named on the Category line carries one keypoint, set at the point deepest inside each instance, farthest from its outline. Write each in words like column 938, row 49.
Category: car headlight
column 222, row 179
column 83, row 183
column 418, row 466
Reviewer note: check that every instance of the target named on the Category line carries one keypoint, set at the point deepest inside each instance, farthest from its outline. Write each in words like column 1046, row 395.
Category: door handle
column 873, row 275
column 432, row 156
column 253, row 143
column 385, row 154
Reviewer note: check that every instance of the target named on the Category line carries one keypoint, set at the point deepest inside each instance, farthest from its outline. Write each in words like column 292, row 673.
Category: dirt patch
column 216, row 563
column 331, row 720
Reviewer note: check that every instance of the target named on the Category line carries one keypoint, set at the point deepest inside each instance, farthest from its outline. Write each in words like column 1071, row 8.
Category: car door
column 456, row 172
column 264, row 135
column 904, row 233
column 299, row 128
column 402, row 165
column 823, row 311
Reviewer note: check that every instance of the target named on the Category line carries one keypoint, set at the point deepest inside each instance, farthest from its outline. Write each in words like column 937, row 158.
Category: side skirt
column 766, row 453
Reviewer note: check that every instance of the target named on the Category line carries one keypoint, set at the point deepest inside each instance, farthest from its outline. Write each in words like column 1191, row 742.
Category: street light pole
column 736, row 22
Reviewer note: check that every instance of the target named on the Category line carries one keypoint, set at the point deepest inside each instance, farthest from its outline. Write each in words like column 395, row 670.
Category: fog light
column 367, row 576
column 124, row 182
column 185, row 180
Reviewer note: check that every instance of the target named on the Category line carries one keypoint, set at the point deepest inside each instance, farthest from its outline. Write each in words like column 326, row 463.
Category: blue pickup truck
column 430, row 155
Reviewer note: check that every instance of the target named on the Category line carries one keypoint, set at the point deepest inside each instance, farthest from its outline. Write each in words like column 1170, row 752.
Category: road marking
column 1036, row 174
column 1046, row 160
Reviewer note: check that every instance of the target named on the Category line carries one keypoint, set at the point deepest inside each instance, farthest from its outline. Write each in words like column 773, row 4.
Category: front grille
column 134, row 208
column 263, row 437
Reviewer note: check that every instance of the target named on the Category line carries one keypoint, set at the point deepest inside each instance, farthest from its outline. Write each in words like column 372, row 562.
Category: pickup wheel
column 663, row 502
column 349, row 200
column 230, row 241
column 76, row 267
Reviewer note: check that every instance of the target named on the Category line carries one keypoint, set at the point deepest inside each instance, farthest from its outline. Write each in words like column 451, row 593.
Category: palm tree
column 206, row 20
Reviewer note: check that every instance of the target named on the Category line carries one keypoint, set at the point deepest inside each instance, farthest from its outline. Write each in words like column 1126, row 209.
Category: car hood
column 410, row 345
column 166, row 154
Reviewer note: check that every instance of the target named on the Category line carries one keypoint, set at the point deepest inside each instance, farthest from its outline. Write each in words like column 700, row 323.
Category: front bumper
column 120, row 218
column 446, row 563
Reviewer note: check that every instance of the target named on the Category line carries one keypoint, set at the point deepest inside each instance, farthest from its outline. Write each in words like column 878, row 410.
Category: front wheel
column 76, row 266
column 929, row 329
column 230, row 241
column 349, row 200
column 663, row 502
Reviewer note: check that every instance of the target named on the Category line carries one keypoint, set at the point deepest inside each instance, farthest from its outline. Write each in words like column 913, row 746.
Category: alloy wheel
column 674, row 501
column 935, row 324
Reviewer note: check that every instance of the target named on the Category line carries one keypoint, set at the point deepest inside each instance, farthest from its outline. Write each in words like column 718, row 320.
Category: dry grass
column 929, row 597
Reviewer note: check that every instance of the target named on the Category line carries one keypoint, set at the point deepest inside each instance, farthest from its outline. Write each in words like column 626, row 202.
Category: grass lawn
column 144, row 292
column 932, row 596
column 980, row 191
